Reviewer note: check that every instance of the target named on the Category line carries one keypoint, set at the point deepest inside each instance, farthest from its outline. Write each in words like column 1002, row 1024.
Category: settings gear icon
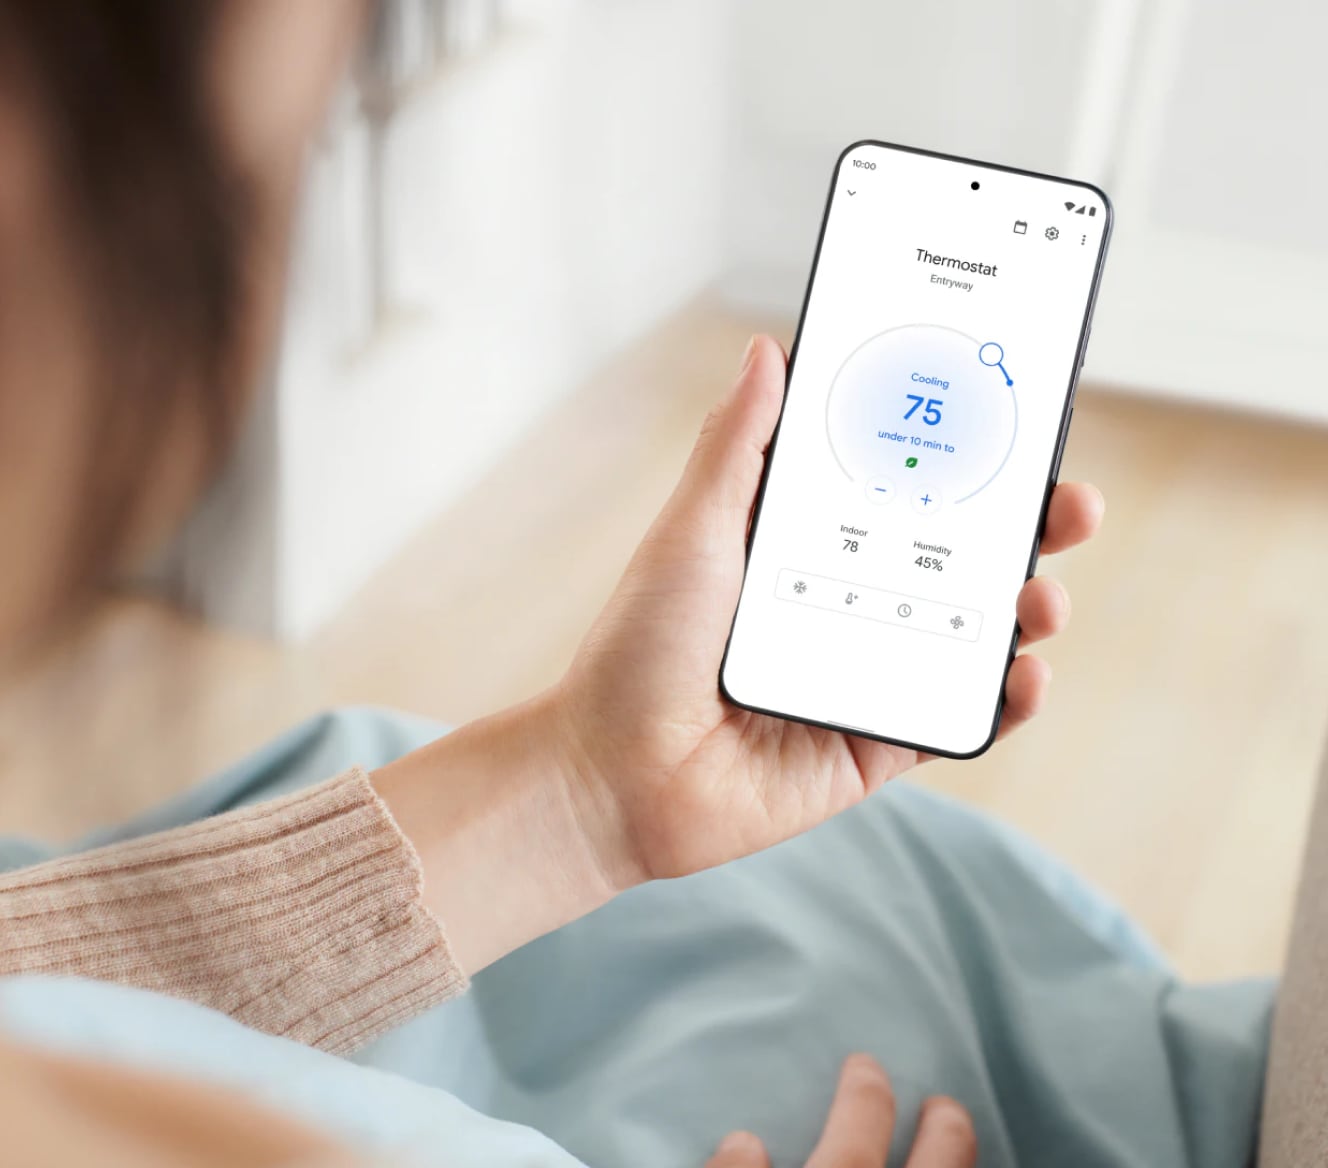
column 1052, row 233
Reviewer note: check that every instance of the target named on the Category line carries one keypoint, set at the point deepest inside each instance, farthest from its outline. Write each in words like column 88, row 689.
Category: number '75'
column 931, row 413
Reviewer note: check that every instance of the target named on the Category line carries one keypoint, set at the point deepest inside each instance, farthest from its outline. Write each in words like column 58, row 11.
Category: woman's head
column 150, row 153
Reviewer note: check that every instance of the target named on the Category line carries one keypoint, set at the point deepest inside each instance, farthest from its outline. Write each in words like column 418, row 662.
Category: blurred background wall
column 510, row 191
column 536, row 237
column 1204, row 121
column 506, row 194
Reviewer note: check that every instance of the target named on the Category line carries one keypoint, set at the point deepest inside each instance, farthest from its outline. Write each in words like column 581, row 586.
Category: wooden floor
column 1173, row 766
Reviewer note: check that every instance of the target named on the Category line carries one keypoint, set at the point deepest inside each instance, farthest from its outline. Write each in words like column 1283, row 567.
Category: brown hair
column 120, row 90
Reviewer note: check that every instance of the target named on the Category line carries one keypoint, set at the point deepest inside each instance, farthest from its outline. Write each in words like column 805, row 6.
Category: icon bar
column 892, row 608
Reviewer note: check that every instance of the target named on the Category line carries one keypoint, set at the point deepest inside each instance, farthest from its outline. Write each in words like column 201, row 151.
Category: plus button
column 927, row 500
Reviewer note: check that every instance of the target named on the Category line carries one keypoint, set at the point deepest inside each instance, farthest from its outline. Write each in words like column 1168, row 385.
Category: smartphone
column 929, row 395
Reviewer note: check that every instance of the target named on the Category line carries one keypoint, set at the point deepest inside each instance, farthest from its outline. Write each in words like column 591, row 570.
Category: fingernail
column 1063, row 596
column 740, row 1141
column 747, row 354
column 864, row 1064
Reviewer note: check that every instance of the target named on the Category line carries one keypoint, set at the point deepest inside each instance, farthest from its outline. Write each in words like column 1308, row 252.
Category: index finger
column 1073, row 515
column 861, row 1119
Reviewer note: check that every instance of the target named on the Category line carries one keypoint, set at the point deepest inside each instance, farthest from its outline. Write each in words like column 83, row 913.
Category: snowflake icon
column 800, row 587
column 1052, row 233
column 956, row 623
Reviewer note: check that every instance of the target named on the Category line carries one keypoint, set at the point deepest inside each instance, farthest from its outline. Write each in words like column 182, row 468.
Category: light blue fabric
column 950, row 947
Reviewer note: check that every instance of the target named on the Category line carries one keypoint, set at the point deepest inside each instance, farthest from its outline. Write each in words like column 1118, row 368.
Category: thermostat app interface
column 925, row 410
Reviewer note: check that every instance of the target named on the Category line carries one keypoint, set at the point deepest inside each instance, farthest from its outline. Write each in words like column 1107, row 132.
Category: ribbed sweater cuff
column 301, row 917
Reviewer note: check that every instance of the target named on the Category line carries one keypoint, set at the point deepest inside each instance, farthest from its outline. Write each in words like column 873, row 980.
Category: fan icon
column 956, row 622
column 1052, row 233
column 800, row 587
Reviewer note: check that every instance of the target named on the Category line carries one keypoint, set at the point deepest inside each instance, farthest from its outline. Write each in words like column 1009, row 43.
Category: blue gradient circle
column 961, row 432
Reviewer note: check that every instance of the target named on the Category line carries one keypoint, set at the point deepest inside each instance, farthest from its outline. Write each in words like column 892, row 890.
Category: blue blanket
column 945, row 944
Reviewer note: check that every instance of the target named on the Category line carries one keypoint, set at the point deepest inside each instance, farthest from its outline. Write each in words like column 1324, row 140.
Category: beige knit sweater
column 300, row 917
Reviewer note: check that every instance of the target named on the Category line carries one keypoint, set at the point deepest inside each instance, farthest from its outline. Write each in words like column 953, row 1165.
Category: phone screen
column 929, row 394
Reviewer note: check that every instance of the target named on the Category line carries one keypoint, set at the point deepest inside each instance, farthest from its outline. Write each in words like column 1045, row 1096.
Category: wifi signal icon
column 1070, row 205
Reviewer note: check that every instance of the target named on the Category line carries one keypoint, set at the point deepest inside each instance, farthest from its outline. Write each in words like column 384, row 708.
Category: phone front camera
column 975, row 184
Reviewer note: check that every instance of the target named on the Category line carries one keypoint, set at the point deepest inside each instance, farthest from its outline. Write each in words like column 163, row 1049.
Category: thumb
column 725, row 466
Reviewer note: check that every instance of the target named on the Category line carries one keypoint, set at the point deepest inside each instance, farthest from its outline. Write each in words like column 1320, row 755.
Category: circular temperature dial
column 924, row 411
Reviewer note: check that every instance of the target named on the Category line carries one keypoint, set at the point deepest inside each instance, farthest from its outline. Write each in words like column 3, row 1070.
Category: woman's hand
column 860, row 1125
column 679, row 779
column 633, row 766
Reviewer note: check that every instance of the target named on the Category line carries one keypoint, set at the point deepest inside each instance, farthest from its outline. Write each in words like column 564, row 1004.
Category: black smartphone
column 929, row 396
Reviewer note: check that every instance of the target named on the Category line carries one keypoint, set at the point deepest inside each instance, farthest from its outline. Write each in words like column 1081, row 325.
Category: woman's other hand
column 680, row 779
column 860, row 1125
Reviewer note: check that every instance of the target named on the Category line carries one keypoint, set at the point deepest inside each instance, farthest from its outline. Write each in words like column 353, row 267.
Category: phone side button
column 1056, row 470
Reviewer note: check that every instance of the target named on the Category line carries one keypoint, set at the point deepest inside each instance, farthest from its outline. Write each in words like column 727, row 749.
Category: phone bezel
column 1063, row 433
